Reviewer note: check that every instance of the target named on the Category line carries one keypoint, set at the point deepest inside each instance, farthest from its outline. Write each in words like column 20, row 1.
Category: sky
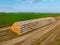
column 44, row 6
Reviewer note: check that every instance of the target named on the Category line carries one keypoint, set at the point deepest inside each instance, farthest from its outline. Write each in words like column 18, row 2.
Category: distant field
column 9, row 18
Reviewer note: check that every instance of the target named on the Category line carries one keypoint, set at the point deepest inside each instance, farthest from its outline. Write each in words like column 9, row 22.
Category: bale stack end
column 16, row 28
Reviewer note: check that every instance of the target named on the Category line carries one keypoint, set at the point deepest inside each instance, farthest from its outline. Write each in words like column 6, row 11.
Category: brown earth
column 47, row 35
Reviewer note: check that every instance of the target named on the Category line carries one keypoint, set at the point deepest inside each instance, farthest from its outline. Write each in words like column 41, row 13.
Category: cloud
column 34, row 1
column 29, row 1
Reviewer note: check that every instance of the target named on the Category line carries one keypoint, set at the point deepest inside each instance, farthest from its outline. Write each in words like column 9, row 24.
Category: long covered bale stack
column 26, row 26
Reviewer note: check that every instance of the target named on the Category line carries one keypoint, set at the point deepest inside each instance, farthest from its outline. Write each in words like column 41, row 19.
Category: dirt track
column 31, row 37
column 5, row 28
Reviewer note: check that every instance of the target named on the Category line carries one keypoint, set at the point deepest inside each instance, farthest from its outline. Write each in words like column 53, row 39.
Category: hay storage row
column 29, row 25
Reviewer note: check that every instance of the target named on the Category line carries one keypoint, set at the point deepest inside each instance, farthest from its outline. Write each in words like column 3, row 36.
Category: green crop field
column 9, row 18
